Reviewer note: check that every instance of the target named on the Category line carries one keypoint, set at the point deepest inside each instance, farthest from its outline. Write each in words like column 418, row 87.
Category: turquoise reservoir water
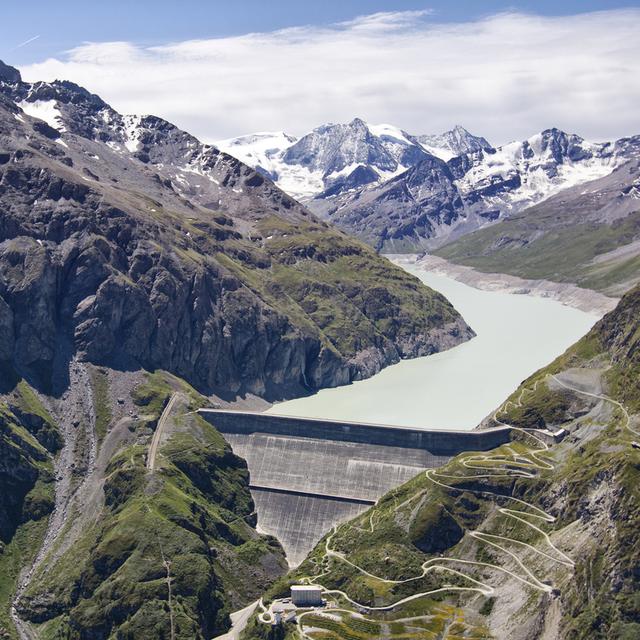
column 456, row 389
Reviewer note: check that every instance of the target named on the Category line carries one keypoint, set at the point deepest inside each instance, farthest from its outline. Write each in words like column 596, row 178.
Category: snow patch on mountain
column 535, row 169
column 258, row 149
column 389, row 131
column 451, row 144
column 132, row 132
column 46, row 110
column 264, row 151
column 439, row 152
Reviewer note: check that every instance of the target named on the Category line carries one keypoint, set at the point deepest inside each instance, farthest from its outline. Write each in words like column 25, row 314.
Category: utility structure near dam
column 307, row 475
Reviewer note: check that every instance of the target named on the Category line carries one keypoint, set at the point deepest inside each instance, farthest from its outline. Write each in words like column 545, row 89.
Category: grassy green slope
column 471, row 537
column 523, row 246
column 28, row 439
column 328, row 282
column 170, row 552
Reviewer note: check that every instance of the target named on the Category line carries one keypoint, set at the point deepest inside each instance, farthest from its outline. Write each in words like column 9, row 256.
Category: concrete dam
column 308, row 475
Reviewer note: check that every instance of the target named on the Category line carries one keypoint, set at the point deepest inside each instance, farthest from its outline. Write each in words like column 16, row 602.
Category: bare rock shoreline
column 566, row 293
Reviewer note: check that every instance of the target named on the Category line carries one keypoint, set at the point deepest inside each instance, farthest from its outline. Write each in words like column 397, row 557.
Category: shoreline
column 585, row 300
column 566, row 293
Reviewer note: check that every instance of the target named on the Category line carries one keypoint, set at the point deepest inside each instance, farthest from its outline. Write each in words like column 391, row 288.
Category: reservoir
column 516, row 335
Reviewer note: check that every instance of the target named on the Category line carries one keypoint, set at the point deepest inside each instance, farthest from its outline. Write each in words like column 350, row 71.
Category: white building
column 303, row 595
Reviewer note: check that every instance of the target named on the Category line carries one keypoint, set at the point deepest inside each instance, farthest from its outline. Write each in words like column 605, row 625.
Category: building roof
column 305, row 587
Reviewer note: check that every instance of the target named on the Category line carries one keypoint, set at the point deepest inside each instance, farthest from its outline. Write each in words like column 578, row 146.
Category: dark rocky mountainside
column 133, row 259
column 130, row 238
column 588, row 235
column 434, row 201
column 534, row 540
column 403, row 212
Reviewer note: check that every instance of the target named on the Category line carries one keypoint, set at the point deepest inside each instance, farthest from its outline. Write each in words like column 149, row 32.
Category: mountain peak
column 553, row 132
column 455, row 142
column 358, row 123
column 9, row 74
column 460, row 129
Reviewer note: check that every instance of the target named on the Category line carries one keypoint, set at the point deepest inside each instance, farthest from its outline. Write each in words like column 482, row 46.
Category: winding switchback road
column 510, row 463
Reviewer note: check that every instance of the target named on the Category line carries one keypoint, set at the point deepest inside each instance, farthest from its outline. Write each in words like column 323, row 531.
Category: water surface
column 516, row 335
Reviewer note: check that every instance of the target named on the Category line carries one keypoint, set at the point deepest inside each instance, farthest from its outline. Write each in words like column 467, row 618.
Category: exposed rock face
column 405, row 211
column 436, row 201
column 336, row 159
column 9, row 74
column 333, row 147
column 130, row 240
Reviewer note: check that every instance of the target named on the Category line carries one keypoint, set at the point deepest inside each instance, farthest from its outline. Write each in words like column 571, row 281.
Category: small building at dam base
column 306, row 595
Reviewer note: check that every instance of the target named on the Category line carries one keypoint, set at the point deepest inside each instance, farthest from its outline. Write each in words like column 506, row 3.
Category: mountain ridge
column 412, row 212
column 368, row 179
column 222, row 218
column 327, row 160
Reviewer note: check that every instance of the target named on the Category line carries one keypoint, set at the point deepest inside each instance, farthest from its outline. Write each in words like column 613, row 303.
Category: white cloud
column 505, row 77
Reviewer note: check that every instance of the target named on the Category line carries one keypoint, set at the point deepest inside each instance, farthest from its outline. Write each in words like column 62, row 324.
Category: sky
column 504, row 70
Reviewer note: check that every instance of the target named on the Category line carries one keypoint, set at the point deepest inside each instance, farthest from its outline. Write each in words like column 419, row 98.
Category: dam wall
column 307, row 475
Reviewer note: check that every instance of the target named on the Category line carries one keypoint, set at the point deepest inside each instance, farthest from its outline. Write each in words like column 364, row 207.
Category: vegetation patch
column 187, row 525
column 537, row 244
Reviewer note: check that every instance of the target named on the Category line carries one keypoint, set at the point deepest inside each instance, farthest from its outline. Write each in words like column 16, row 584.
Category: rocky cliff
column 132, row 242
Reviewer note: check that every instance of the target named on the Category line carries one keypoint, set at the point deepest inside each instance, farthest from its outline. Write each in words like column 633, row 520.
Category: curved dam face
column 308, row 475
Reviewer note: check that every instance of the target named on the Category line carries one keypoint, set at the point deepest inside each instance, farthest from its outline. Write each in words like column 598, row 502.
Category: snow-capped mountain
column 337, row 158
column 452, row 143
column 192, row 170
column 402, row 192
column 435, row 201
column 260, row 150
column 519, row 174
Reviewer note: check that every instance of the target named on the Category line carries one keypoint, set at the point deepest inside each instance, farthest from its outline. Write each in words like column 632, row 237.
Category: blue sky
column 61, row 25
